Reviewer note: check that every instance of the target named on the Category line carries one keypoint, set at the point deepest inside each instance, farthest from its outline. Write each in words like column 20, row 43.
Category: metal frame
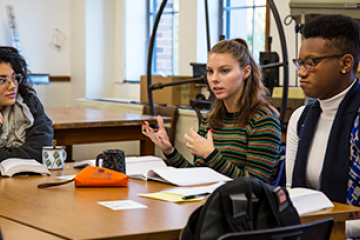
column 284, row 64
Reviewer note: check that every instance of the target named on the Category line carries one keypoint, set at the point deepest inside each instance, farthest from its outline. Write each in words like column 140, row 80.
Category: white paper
column 66, row 177
column 185, row 191
column 121, row 204
column 187, row 176
column 307, row 200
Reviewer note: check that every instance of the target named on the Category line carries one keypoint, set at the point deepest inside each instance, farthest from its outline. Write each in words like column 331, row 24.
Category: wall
column 284, row 10
column 100, row 38
column 93, row 52
column 36, row 21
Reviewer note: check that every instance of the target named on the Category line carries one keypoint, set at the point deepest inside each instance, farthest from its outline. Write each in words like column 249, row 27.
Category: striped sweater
column 248, row 151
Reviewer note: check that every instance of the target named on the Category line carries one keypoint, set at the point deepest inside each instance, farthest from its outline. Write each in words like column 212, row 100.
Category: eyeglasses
column 16, row 79
column 309, row 63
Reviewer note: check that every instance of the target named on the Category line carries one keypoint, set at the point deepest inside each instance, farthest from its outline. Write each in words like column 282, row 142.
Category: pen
column 187, row 197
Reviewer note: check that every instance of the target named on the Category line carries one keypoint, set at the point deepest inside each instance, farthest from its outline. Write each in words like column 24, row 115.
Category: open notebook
column 154, row 168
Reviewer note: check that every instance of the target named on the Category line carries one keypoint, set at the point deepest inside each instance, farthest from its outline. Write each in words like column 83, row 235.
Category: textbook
column 154, row 168
column 12, row 166
column 307, row 200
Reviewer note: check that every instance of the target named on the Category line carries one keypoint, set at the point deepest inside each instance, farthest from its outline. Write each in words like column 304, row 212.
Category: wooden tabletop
column 14, row 231
column 73, row 117
column 340, row 212
column 74, row 213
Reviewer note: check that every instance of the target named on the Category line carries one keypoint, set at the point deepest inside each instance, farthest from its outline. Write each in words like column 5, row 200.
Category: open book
column 307, row 200
column 12, row 166
column 154, row 168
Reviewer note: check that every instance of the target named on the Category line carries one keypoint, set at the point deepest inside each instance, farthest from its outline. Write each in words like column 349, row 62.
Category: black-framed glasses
column 16, row 79
column 309, row 63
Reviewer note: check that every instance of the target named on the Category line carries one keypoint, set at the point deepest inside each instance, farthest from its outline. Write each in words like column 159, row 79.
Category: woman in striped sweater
column 241, row 136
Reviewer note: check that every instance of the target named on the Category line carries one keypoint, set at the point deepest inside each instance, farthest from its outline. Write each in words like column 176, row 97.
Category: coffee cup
column 54, row 157
column 113, row 159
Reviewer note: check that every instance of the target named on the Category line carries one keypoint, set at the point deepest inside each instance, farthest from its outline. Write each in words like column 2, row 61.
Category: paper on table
column 121, row 204
column 176, row 194
column 184, row 191
column 169, row 197
column 187, row 176
column 307, row 200
column 66, row 177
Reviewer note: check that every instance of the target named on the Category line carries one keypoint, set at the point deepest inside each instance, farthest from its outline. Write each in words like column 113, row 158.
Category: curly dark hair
column 340, row 32
column 18, row 63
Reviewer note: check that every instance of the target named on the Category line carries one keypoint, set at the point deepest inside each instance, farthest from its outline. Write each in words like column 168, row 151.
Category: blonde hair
column 253, row 91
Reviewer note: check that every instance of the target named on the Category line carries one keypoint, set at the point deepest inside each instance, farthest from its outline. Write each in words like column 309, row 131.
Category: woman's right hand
column 159, row 138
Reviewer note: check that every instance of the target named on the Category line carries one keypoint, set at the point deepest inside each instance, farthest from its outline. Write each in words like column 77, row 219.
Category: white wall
column 94, row 47
column 35, row 22
column 284, row 10
column 93, row 53
column 99, row 40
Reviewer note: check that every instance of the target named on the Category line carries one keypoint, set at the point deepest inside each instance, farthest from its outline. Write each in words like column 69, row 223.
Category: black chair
column 319, row 230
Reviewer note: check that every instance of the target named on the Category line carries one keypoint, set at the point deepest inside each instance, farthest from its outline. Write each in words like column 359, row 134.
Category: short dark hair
column 340, row 31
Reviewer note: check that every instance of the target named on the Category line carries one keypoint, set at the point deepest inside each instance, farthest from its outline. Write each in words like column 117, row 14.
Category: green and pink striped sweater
column 252, row 150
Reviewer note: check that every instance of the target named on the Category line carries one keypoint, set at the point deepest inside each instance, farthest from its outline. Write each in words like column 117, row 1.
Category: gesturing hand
column 201, row 147
column 159, row 138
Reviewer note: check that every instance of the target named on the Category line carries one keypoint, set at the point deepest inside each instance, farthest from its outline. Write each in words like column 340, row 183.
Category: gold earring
column 343, row 71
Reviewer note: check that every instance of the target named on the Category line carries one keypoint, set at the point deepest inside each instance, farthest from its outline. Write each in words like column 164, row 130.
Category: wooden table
column 14, row 231
column 73, row 213
column 340, row 213
column 82, row 125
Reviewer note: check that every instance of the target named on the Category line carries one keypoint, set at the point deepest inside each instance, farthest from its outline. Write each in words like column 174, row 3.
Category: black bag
column 244, row 204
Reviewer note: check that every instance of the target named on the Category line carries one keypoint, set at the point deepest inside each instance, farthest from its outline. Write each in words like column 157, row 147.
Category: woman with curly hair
column 24, row 126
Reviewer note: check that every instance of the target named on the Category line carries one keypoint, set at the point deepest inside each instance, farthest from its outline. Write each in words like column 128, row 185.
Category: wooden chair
column 319, row 230
column 172, row 112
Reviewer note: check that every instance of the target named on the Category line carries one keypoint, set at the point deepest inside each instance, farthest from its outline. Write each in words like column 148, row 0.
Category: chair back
column 198, row 105
column 172, row 112
column 319, row 230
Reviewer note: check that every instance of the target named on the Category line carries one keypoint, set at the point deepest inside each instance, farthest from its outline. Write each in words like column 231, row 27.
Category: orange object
column 94, row 177
column 100, row 177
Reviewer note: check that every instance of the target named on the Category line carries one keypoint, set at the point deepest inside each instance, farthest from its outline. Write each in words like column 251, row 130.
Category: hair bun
column 241, row 41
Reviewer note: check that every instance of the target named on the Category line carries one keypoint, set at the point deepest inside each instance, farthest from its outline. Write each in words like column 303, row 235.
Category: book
column 154, row 168
column 307, row 200
column 11, row 166
column 185, row 176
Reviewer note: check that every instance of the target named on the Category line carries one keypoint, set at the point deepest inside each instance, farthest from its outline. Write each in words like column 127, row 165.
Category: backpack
column 244, row 204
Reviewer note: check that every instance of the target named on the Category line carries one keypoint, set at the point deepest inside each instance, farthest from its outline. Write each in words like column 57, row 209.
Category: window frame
column 152, row 13
column 221, row 20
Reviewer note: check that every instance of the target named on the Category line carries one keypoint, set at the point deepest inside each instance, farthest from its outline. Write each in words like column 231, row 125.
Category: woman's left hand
column 201, row 147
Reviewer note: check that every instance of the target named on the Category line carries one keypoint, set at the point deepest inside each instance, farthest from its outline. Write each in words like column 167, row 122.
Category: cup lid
column 51, row 147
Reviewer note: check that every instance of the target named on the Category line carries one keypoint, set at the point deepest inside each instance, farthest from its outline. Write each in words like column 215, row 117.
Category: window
column 166, row 47
column 244, row 19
